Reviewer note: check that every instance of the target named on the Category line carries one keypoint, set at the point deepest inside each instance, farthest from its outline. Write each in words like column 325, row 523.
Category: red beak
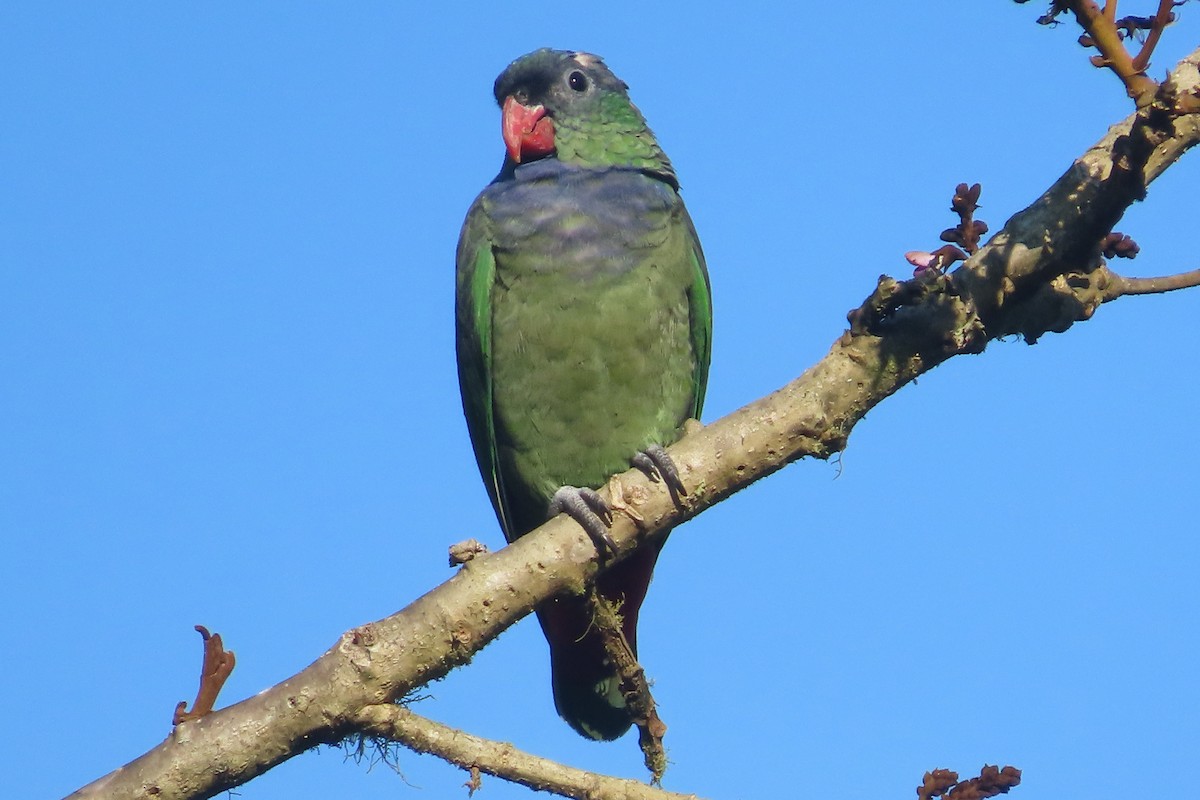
column 528, row 132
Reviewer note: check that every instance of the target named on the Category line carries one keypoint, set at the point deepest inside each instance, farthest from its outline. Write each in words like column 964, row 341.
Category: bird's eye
column 577, row 81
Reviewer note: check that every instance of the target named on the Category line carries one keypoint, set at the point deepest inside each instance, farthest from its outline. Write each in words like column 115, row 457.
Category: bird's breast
column 585, row 224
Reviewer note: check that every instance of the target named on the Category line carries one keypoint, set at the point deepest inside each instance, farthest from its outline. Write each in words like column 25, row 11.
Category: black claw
column 646, row 465
column 596, row 503
column 588, row 508
column 655, row 462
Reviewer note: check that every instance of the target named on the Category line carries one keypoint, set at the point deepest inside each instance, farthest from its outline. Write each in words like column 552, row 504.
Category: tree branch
column 1120, row 286
column 398, row 724
column 1106, row 37
column 906, row 329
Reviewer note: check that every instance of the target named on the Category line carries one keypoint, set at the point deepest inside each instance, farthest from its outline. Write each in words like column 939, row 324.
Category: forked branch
column 1109, row 35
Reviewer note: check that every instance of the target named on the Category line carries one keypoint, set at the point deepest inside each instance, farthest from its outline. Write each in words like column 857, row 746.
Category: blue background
column 227, row 393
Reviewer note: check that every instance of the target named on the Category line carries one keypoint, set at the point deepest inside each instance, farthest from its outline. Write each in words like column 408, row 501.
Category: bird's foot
column 588, row 508
column 657, row 465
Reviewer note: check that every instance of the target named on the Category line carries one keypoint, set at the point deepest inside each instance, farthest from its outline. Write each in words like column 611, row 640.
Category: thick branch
column 811, row 416
column 398, row 724
column 1062, row 230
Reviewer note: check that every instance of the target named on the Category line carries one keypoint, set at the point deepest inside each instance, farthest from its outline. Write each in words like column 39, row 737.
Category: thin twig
column 634, row 687
column 1161, row 20
column 1121, row 286
column 1103, row 34
column 399, row 724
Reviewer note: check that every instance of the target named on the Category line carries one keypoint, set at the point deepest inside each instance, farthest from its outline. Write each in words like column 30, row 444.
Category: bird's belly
column 586, row 375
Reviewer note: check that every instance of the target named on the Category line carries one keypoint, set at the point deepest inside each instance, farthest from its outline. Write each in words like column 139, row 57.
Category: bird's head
column 570, row 105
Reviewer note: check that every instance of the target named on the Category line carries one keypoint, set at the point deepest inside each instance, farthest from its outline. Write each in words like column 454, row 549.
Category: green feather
column 476, row 274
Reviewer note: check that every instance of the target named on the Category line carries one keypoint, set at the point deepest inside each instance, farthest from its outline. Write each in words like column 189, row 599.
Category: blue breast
column 581, row 221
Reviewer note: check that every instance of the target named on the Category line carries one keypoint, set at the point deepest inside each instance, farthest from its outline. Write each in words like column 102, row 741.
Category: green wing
column 700, row 303
column 475, row 277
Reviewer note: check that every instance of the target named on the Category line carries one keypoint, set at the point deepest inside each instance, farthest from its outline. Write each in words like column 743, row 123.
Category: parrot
column 583, row 333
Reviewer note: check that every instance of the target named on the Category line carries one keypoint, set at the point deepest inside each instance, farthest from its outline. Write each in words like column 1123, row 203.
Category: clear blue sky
column 227, row 393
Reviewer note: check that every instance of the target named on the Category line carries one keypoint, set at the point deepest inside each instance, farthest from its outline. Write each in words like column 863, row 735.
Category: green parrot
column 583, row 333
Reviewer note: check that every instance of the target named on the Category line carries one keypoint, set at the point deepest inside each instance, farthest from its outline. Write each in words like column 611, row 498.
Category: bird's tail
column 587, row 691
